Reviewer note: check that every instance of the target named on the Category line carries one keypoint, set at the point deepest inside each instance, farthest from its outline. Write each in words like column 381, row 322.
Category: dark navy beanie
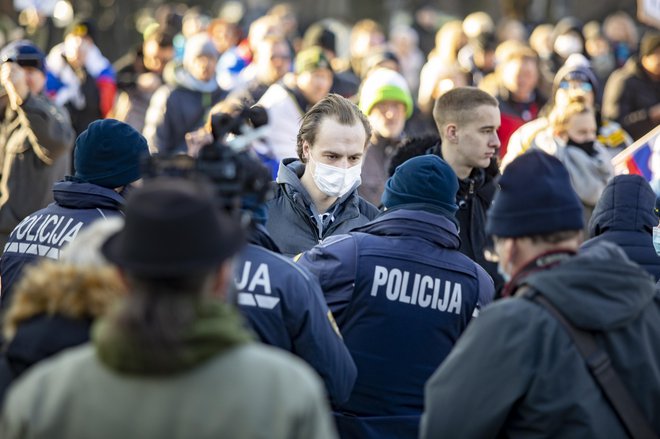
column 108, row 153
column 423, row 183
column 535, row 198
column 24, row 53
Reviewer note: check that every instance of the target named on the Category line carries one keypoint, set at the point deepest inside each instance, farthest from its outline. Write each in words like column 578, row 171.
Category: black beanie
column 423, row 183
column 535, row 198
column 108, row 154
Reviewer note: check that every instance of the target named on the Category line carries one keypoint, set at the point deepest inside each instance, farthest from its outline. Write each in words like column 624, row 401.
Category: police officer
column 282, row 301
column 107, row 160
column 402, row 294
column 284, row 305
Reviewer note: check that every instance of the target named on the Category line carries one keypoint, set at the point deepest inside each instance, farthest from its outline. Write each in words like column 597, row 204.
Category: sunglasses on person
column 584, row 86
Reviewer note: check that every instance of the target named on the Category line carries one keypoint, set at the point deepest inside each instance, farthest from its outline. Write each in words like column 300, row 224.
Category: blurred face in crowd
column 651, row 63
column 520, row 76
column 454, row 79
column 388, row 118
column 203, row 68
column 35, row 78
column 581, row 128
column 315, row 85
column 224, row 36
column 75, row 49
column 475, row 138
column 156, row 56
column 568, row 90
column 273, row 61
column 365, row 42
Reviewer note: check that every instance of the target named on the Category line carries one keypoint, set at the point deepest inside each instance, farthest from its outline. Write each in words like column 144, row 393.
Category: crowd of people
column 424, row 243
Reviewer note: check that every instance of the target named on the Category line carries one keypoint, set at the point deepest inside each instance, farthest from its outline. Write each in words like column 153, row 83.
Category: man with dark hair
column 317, row 193
column 402, row 294
column 107, row 159
column 468, row 119
column 36, row 137
column 517, row 360
column 172, row 351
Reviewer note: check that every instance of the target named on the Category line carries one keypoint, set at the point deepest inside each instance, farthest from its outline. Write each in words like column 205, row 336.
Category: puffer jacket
column 624, row 215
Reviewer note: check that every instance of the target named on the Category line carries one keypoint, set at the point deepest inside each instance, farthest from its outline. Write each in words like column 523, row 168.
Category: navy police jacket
column 284, row 305
column 402, row 294
column 45, row 232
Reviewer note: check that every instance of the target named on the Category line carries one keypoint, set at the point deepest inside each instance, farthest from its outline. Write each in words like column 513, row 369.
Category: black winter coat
column 624, row 215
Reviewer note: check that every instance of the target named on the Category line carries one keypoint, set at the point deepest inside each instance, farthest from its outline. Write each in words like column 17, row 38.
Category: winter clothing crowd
column 445, row 230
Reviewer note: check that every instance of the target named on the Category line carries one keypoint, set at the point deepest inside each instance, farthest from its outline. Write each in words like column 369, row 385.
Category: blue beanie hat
column 24, row 53
column 424, row 183
column 108, row 154
column 535, row 198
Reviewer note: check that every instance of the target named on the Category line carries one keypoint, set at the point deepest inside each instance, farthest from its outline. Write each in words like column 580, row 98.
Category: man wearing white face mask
column 317, row 193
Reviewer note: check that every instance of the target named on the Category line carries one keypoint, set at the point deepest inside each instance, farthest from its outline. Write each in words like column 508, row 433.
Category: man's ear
column 450, row 132
column 305, row 150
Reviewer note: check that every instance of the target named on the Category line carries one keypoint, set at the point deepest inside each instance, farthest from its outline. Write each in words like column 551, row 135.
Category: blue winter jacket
column 45, row 232
column 284, row 305
column 402, row 294
column 624, row 215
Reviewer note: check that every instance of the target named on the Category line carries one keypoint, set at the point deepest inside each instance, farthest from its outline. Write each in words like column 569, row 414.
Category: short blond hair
column 457, row 105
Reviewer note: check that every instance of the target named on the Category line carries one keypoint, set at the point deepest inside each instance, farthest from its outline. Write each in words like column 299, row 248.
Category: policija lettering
column 426, row 291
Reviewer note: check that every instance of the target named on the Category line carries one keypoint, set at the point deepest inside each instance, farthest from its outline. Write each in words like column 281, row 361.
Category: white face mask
column 566, row 45
column 656, row 239
column 333, row 181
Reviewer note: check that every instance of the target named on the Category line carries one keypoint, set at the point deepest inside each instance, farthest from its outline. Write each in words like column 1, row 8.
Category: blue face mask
column 621, row 53
column 656, row 240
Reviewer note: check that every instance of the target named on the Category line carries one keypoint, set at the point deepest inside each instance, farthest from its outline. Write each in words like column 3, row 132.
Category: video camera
column 224, row 159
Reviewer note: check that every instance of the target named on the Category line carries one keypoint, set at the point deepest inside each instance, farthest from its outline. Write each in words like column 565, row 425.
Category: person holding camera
column 36, row 137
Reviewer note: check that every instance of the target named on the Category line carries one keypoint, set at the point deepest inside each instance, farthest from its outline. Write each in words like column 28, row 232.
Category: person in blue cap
column 36, row 137
column 107, row 160
column 516, row 371
column 402, row 293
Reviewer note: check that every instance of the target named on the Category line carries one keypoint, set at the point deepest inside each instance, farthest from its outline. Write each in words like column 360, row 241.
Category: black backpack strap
column 601, row 368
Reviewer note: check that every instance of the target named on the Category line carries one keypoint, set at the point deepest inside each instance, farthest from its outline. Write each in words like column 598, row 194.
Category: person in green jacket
column 515, row 372
column 173, row 359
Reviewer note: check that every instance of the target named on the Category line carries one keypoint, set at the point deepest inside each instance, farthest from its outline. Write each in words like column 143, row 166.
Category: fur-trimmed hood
column 56, row 288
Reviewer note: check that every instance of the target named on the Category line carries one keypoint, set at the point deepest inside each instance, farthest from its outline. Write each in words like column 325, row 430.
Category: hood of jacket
column 626, row 204
column 434, row 227
column 599, row 289
column 79, row 195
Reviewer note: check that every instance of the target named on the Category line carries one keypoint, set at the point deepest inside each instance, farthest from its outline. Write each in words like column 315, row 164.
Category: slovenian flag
column 638, row 158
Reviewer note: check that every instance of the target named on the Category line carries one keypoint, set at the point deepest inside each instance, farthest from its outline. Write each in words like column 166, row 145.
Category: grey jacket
column 251, row 391
column 516, row 372
column 289, row 213
column 35, row 147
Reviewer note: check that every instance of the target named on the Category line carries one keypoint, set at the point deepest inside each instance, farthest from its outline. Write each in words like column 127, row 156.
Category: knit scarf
column 216, row 329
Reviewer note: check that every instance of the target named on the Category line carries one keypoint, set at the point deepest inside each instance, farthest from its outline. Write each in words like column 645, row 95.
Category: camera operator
column 35, row 136
column 282, row 301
